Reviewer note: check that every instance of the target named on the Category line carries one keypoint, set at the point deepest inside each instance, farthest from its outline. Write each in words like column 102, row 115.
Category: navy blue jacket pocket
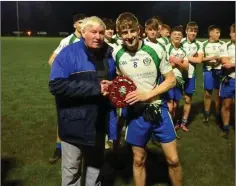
column 72, row 124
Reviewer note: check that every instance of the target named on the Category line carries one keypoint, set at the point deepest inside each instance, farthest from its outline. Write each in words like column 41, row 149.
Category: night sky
column 54, row 17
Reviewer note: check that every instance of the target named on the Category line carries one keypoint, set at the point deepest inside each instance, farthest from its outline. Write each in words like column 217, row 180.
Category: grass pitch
column 29, row 127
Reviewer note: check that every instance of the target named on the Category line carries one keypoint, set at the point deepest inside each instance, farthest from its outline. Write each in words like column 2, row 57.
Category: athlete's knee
column 187, row 99
column 139, row 159
column 226, row 106
column 173, row 161
column 208, row 94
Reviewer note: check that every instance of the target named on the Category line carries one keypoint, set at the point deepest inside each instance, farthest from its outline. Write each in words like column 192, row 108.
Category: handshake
column 105, row 84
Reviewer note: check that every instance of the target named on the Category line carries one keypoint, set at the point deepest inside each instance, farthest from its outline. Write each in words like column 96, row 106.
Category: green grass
column 29, row 124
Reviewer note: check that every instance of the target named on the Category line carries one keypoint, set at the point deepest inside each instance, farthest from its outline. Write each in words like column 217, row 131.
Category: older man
column 77, row 80
column 72, row 38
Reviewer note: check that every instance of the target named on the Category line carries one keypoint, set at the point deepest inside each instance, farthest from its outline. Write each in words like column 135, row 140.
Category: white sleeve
column 167, row 53
column 186, row 58
column 165, row 66
column 60, row 47
column 200, row 50
column 224, row 51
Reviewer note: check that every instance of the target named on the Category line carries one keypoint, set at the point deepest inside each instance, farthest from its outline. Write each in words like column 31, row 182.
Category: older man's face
column 94, row 36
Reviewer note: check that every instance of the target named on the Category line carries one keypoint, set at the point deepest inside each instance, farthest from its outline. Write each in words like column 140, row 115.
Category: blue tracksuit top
column 75, row 82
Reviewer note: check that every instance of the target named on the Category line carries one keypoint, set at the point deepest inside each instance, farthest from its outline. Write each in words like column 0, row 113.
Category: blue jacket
column 75, row 82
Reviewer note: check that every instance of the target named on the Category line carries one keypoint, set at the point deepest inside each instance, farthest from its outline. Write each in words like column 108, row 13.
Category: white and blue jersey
column 227, row 86
column 145, row 68
column 212, row 69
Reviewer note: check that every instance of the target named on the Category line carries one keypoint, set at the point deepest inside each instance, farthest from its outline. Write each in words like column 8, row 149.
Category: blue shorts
column 227, row 89
column 190, row 85
column 139, row 131
column 113, row 126
column 212, row 79
column 174, row 94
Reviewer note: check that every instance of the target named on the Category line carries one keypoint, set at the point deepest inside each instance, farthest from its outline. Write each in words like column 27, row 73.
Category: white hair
column 91, row 21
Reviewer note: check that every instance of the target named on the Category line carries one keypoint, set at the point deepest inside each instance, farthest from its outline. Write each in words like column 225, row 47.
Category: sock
column 226, row 127
column 184, row 121
column 206, row 113
column 58, row 145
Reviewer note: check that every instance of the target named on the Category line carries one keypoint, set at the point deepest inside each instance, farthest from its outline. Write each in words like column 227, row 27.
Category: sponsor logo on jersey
column 123, row 62
column 134, row 59
column 179, row 55
column 147, row 61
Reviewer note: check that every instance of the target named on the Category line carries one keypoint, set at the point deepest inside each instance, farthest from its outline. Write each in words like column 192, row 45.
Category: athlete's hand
column 175, row 60
column 228, row 65
column 135, row 96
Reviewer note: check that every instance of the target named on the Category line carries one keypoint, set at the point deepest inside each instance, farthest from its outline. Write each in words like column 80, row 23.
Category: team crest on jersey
column 147, row 61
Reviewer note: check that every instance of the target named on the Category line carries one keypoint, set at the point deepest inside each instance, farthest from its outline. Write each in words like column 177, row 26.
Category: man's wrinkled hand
column 105, row 87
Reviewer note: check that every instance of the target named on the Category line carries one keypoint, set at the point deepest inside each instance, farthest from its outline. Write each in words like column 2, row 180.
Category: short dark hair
column 192, row 25
column 212, row 27
column 109, row 24
column 152, row 23
column 165, row 26
column 78, row 17
column 177, row 29
column 159, row 20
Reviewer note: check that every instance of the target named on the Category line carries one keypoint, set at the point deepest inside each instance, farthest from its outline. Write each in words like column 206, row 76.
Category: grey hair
column 91, row 21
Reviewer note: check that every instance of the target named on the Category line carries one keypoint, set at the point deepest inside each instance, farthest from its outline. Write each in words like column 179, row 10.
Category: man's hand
column 228, row 65
column 105, row 87
column 135, row 96
column 175, row 60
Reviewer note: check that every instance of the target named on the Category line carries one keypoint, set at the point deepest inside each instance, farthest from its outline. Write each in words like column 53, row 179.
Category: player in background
column 160, row 23
column 212, row 71
column 194, row 51
column 179, row 62
column 144, row 64
column 109, row 32
column 165, row 34
column 77, row 20
column 227, row 86
column 151, row 29
column 72, row 38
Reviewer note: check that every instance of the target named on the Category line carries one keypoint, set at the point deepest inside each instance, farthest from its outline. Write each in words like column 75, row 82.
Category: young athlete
column 194, row 51
column 212, row 71
column 179, row 62
column 144, row 64
column 227, row 86
column 151, row 29
column 165, row 33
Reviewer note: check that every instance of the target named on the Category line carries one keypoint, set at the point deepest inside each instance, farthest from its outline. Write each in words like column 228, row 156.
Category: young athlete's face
column 232, row 35
column 191, row 34
column 94, row 36
column 130, row 37
column 165, row 33
column 176, row 36
column 215, row 34
column 77, row 25
column 109, row 33
column 151, row 33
